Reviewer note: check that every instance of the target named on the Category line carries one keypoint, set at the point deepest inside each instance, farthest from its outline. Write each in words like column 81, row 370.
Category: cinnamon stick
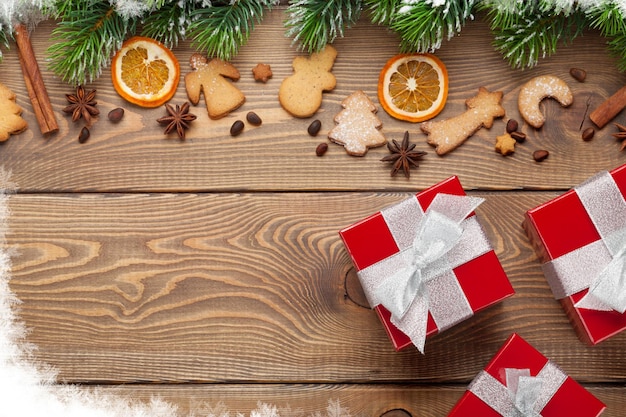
column 34, row 82
column 610, row 108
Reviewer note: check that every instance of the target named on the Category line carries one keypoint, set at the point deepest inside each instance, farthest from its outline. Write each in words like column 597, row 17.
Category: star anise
column 178, row 119
column 621, row 135
column 403, row 156
column 82, row 104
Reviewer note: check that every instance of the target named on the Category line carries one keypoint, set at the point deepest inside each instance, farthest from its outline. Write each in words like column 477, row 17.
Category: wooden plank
column 135, row 156
column 305, row 400
column 255, row 288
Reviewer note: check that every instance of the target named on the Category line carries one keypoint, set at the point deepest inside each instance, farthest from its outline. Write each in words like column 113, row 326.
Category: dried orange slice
column 145, row 72
column 413, row 87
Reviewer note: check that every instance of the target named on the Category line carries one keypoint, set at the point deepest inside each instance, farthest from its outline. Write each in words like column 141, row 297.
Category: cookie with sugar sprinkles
column 482, row 109
column 537, row 89
column 357, row 126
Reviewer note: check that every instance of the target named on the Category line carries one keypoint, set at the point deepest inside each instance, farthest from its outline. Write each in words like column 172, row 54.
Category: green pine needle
column 219, row 30
column 423, row 27
column 382, row 12
column 85, row 39
column 4, row 41
column 609, row 20
column 169, row 22
column 532, row 33
column 315, row 23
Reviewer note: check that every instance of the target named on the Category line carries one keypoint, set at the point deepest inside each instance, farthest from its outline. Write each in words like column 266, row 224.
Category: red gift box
column 490, row 394
column 561, row 227
column 482, row 279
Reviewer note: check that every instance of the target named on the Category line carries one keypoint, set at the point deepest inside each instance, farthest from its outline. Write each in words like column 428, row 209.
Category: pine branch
column 611, row 23
column 221, row 28
column 423, row 27
column 85, row 39
column 315, row 23
column 533, row 31
column 382, row 12
column 4, row 41
column 169, row 22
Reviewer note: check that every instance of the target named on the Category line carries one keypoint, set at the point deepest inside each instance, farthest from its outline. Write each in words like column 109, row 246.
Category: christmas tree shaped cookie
column 11, row 122
column 211, row 79
column 358, row 127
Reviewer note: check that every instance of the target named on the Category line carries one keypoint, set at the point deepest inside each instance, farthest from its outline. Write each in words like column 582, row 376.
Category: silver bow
column 525, row 391
column 606, row 207
column 438, row 232
column 608, row 291
column 523, row 395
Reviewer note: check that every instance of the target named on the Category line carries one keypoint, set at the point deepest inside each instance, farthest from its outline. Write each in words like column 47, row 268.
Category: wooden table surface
column 211, row 270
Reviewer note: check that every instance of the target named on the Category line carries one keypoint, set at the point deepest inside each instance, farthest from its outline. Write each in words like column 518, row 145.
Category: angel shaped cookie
column 211, row 78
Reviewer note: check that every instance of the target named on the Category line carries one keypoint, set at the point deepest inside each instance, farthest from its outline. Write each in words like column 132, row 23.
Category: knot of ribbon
column 609, row 287
column 522, row 395
column 437, row 233
column 525, row 391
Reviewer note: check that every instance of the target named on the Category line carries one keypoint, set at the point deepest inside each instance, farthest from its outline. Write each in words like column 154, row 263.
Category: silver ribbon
column 420, row 278
column 523, row 395
column 599, row 266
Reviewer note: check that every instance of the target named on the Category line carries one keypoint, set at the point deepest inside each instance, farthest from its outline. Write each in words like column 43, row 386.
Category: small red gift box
column 508, row 380
column 481, row 280
column 568, row 241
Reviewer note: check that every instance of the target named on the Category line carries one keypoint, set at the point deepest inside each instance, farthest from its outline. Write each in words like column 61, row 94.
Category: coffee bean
column 518, row 136
column 511, row 126
column 84, row 135
column 254, row 119
column 236, row 128
column 578, row 74
column 588, row 134
column 314, row 127
column 540, row 155
column 321, row 149
column 116, row 115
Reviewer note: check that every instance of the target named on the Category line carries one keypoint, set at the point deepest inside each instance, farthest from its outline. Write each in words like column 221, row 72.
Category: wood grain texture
column 373, row 400
column 211, row 270
column 134, row 155
column 252, row 288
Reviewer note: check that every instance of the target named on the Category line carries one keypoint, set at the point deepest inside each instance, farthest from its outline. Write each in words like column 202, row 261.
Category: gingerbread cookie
column 262, row 72
column 358, row 128
column 11, row 121
column 535, row 90
column 482, row 109
column 301, row 93
column 210, row 78
column 505, row 144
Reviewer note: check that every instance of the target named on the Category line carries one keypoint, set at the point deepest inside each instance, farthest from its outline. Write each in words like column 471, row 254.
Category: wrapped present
column 580, row 237
column 521, row 382
column 425, row 263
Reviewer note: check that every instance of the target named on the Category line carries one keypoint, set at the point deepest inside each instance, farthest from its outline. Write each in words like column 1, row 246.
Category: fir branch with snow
column 315, row 23
column 170, row 23
column 424, row 25
column 85, row 39
column 220, row 28
column 526, row 32
column 27, row 12
column 89, row 32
